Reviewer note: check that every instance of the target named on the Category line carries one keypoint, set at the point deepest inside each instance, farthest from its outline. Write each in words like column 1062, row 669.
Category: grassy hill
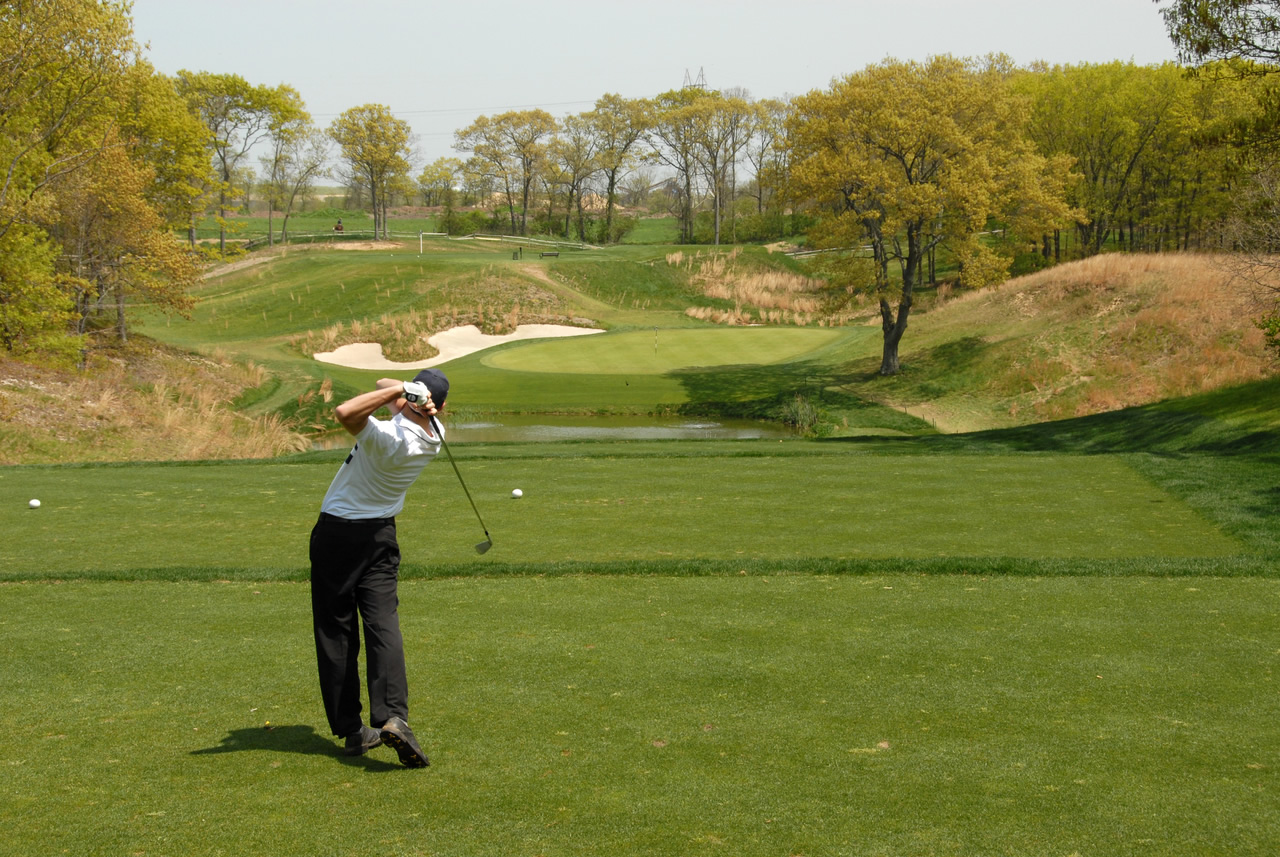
column 701, row 331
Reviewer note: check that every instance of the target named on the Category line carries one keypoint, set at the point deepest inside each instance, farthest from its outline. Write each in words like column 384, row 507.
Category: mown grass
column 600, row 508
column 696, row 716
column 1124, row 493
column 1050, row 640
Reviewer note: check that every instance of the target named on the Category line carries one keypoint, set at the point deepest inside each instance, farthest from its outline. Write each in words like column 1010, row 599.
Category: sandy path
column 452, row 344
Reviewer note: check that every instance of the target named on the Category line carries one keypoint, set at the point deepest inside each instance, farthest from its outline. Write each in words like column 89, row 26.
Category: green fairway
column 650, row 352
column 612, row 503
column 762, row 715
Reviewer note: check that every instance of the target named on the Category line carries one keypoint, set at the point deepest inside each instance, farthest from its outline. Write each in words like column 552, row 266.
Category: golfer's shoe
column 397, row 734
column 359, row 743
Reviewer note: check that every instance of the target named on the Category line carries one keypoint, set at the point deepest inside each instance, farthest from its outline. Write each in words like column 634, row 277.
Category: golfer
column 355, row 562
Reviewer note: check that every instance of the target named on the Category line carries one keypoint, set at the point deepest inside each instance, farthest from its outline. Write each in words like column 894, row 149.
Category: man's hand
column 416, row 393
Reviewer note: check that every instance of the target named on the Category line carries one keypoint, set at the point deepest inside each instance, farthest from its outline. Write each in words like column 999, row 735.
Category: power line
column 476, row 109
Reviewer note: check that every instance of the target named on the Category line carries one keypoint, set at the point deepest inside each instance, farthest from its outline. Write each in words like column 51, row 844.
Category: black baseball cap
column 437, row 384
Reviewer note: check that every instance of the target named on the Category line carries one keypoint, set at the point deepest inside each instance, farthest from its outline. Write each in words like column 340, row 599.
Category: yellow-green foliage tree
column 905, row 156
column 238, row 115
column 115, row 243
column 572, row 159
column 1148, row 145
column 375, row 145
column 61, row 66
column 509, row 149
column 671, row 135
column 438, row 180
column 84, row 217
column 166, row 136
column 618, row 125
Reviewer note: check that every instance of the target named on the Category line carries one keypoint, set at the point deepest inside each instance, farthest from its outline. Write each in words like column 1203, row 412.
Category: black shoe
column 398, row 735
column 359, row 743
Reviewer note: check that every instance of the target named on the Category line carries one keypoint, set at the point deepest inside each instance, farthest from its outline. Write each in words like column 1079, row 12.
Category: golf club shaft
column 440, row 434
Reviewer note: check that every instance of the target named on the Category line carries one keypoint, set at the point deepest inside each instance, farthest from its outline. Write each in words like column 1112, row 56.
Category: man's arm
column 354, row 414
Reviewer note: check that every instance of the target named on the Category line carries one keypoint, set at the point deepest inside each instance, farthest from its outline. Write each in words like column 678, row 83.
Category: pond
column 540, row 428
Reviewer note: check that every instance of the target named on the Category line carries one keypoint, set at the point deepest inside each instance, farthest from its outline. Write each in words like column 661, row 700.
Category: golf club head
column 484, row 545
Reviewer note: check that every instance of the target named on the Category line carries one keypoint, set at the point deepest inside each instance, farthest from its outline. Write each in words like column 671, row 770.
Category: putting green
column 654, row 352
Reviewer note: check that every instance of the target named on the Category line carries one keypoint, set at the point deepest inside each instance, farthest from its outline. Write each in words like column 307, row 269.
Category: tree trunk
column 715, row 213
column 608, row 206
column 222, row 221
column 687, row 230
column 524, row 210
column 121, row 331
column 894, row 326
column 893, row 329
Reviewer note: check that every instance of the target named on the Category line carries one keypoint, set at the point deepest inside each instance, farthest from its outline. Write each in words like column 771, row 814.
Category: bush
column 807, row 418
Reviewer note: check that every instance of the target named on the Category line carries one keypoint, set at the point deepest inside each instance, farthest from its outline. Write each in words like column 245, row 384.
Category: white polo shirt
column 387, row 458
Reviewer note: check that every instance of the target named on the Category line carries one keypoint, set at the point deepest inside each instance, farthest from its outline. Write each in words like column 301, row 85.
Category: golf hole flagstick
column 488, row 539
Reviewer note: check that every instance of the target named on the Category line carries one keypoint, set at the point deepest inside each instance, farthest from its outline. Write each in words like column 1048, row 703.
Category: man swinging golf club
column 355, row 562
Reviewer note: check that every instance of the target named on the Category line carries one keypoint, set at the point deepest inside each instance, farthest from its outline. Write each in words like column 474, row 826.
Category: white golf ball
column 34, row 504
column 516, row 494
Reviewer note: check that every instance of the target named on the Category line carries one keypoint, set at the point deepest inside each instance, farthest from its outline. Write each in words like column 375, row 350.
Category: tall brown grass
column 1117, row 330
column 759, row 296
column 143, row 402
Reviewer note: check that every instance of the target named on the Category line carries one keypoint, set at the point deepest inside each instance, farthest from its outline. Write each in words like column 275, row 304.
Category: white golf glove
column 416, row 393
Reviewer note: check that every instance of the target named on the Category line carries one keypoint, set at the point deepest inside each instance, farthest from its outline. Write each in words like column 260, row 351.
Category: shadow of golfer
column 290, row 739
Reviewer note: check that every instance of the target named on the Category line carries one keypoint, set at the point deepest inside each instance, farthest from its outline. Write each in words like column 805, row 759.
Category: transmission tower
column 700, row 83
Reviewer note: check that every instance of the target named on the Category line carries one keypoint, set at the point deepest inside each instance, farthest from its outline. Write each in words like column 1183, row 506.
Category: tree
column 115, row 242
column 238, row 116
column 574, row 159
column 164, row 134
column 298, row 155
column 767, row 151
column 296, row 158
column 508, row 148
column 722, row 126
column 62, row 67
column 904, row 156
column 619, row 125
column 438, row 180
column 1207, row 30
column 672, row 138
column 1253, row 230
column 1109, row 118
column 375, row 145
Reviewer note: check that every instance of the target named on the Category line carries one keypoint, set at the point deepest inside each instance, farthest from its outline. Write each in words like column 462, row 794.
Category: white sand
column 452, row 344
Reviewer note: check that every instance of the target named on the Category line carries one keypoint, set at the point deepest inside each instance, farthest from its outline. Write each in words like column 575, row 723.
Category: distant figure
column 338, row 227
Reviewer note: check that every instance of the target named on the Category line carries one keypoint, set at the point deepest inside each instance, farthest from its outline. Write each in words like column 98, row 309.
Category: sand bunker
column 452, row 344
column 364, row 245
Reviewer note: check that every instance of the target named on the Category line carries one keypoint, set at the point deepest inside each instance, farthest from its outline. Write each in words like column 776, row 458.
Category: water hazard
column 541, row 428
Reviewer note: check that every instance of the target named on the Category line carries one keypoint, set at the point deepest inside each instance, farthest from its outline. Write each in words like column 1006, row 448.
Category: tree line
column 994, row 166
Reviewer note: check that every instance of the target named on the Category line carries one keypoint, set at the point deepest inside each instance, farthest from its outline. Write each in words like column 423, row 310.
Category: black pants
column 354, row 570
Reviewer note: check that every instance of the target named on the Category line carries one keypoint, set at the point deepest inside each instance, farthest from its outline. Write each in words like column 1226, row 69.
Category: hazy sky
column 440, row 65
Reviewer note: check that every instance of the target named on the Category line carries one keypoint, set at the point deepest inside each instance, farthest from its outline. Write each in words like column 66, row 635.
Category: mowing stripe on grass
column 857, row 509
column 594, row 715
column 651, row 352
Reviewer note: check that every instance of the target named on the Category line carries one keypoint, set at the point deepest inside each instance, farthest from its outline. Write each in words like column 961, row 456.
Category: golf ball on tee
column 34, row 504
column 516, row 494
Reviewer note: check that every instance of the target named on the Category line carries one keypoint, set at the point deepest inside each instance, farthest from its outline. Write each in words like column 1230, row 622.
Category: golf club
column 488, row 539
